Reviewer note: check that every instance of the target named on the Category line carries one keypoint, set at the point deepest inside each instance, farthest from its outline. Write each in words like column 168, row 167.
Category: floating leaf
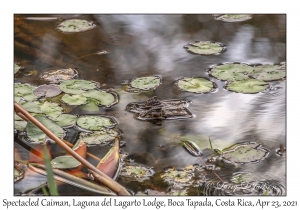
column 136, row 172
column 75, row 25
column 95, row 123
column 109, row 164
column 146, row 83
column 91, row 105
column 20, row 125
column 247, row 86
column 251, row 152
column 32, row 107
column 76, row 86
column 47, row 91
column 191, row 147
column 269, row 72
column 52, row 110
column 36, row 135
column 57, row 76
column 102, row 97
column 101, row 137
column 233, row 17
column 205, row 47
column 65, row 162
column 74, row 99
column 195, row 85
column 231, row 71
column 66, row 120
column 17, row 68
column 24, row 91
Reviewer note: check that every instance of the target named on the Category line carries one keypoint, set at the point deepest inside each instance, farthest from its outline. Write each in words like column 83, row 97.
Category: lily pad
column 20, row 125
column 24, row 91
column 195, row 85
column 74, row 99
column 37, row 136
column 94, row 123
column 32, row 107
column 91, row 105
column 251, row 152
column 76, row 86
column 66, row 120
column 269, row 72
column 103, row 98
column 65, row 162
column 57, row 76
column 247, row 86
column 233, row 17
column 136, row 172
column 205, row 47
column 47, row 91
column 146, row 83
column 52, row 110
column 102, row 137
column 17, row 68
column 75, row 25
column 231, row 71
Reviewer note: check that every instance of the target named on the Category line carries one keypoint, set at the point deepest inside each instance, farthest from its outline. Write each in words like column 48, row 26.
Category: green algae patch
column 205, row 47
column 195, row 85
column 247, row 86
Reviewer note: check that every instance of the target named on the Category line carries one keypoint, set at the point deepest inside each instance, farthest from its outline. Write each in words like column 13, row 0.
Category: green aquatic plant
column 74, row 100
column 32, row 107
column 231, row 71
column 75, row 25
column 20, row 125
column 205, row 47
column 66, row 120
column 142, row 84
column 233, row 17
column 94, row 123
column 57, row 76
column 38, row 136
column 65, row 162
column 47, row 91
column 50, row 175
column 137, row 173
column 102, row 98
column 76, row 86
column 16, row 68
column 269, row 72
column 52, row 110
column 195, row 85
column 103, row 136
column 247, row 86
column 24, row 91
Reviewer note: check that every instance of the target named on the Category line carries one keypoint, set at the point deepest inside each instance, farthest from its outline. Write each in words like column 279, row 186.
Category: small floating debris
column 102, row 137
column 155, row 109
column 247, row 86
column 57, row 76
column 141, row 84
column 95, row 123
column 233, row 17
column 196, row 85
column 136, row 172
column 75, row 25
column 205, row 48
column 47, row 91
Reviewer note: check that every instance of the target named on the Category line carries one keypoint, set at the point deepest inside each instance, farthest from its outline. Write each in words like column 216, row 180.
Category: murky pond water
column 123, row 47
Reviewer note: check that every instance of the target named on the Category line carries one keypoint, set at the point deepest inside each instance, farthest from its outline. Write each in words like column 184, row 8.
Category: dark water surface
column 142, row 45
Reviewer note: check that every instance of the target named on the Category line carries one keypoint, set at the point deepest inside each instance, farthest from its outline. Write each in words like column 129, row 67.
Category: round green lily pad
column 24, row 91
column 233, row 17
column 231, row 71
column 136, row 173
column 245, row 153
column 75, row 25
column 269, row 72
column 74, row 99
column 195, row 85
column 94, row 123
column 52, row 110
column 16, row 68
column 101, row 137
column 32, row 107
column 57, row 76
column 37, row 136
column 66, row 120
column 20, row 125
column 205, row 47
column 91, row 105
column 47, row 91
column 65, row 162
column 103, row 98
column 146, row 83
column 247, row 86
column 76, row 86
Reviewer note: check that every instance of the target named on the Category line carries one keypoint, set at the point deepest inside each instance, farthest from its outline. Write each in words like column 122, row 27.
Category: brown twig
column 103, row 178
